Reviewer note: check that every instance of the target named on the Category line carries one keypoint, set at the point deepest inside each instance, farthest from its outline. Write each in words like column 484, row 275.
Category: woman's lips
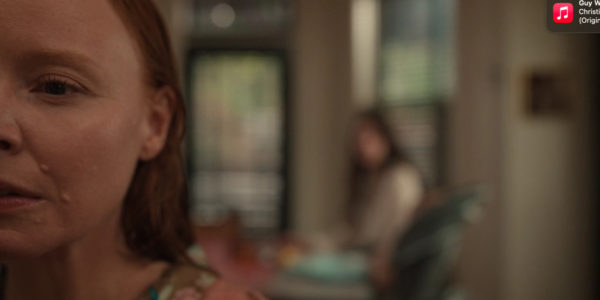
column 14, row 197
column 10, row 203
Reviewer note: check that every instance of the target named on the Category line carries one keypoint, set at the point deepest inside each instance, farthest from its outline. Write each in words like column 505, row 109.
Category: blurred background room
column 497, row 113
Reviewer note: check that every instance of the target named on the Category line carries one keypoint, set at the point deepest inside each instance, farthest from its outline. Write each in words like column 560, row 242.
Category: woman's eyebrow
column 70, row 59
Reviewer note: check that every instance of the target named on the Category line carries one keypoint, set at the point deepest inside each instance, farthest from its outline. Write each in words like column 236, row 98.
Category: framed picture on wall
column 548, row 93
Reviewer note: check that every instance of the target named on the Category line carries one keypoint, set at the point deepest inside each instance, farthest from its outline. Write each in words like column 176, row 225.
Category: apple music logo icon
column 562, row 13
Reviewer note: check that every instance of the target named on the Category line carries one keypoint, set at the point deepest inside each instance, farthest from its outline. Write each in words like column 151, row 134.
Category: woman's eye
column 56, row 88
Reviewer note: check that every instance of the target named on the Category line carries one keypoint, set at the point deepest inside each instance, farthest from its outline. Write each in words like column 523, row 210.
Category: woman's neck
column 95, row 267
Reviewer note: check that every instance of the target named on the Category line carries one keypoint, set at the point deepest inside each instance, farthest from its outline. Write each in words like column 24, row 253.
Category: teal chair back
column 425, row 255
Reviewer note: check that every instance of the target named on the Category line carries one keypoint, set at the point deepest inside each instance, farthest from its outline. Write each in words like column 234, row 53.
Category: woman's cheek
column 90, row 164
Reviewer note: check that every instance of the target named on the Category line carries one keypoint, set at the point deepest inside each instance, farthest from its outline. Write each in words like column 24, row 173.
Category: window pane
column 237, row 136
column 417, row 51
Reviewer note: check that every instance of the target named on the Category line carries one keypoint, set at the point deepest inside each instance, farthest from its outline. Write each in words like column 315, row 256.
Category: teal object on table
column 344, row 267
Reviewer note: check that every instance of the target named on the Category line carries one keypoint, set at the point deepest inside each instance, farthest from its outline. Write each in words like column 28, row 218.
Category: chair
column 423, row 260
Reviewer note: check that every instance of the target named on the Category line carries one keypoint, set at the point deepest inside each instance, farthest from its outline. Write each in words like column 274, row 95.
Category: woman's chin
column 14, row 249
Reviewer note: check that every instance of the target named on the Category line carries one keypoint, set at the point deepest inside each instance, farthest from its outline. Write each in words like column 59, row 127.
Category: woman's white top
column 386, row 207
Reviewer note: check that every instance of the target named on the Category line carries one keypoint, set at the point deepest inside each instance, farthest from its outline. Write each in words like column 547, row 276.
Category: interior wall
column 365, row 39
column 548, row 178
column 475, row 140
column 535, row 240
column 321, row 108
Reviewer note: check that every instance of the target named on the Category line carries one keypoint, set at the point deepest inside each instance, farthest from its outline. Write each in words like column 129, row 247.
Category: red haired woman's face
column 75, row 118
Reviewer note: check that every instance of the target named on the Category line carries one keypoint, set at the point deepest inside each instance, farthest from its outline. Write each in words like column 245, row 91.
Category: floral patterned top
column 184, row 282
column 190, row 282
column 195, row 282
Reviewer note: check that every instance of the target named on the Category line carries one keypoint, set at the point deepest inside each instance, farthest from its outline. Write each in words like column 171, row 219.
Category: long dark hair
column 395, row 155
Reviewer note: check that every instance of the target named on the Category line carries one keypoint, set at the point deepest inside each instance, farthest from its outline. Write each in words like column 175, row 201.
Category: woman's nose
column 10, row 134
column 4, row 145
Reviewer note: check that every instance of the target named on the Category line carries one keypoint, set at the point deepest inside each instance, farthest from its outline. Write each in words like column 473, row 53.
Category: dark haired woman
column 385, row 193
column 92, row 192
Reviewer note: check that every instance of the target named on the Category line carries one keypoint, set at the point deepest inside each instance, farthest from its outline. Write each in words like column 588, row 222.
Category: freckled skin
column 78, row 151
